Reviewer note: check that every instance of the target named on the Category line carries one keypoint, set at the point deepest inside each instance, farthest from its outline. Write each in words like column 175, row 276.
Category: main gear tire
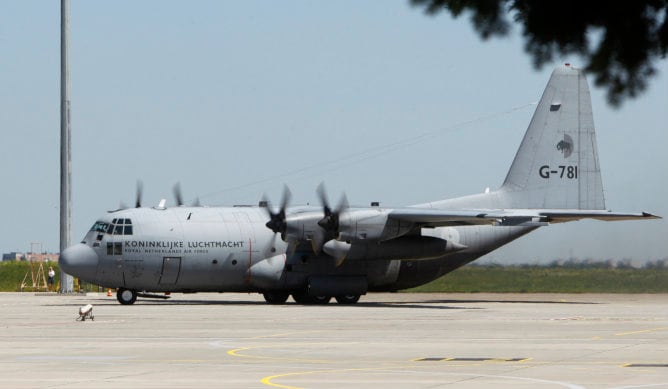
column 348, row 299
column 304, row 298
column 274, row 297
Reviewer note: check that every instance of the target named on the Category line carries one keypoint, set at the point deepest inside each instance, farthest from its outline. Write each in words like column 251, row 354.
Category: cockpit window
column 117, row 227
column 100, row 227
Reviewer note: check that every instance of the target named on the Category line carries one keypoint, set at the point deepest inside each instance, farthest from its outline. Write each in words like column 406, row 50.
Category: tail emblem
column 565, row 146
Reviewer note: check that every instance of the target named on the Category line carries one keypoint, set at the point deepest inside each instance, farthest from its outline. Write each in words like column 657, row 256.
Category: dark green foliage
column 629, row 36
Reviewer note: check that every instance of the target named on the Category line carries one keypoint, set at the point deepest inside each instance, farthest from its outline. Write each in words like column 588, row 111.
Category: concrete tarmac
column 385, row 341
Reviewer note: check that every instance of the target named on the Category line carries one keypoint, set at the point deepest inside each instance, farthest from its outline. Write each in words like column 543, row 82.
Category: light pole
column 66, row 281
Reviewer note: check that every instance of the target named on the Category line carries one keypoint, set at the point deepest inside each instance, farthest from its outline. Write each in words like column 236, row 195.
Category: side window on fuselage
column 114, row 248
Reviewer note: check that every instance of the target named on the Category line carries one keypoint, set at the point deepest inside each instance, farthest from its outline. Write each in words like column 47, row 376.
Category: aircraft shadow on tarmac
column 139, row 303
column 426, row 304
column 513, row 302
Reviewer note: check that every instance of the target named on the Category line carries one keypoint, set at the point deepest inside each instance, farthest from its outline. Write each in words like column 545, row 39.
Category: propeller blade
column 343, row 204
column 322, row 195
column 339, row 261
column 292, row 247
column 177, row 194
column 318, row 240
column 287, row 196
column 138, row 196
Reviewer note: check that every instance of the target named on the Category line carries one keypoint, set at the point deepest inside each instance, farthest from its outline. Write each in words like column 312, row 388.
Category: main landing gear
column 348, row 299
column 129, row 297
column 302, row 297
column 276, row 297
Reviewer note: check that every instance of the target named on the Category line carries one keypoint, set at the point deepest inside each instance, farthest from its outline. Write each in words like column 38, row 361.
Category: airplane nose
column 80, row 261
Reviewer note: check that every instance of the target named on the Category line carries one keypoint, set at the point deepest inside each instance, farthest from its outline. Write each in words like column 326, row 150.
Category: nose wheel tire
column 126, row 296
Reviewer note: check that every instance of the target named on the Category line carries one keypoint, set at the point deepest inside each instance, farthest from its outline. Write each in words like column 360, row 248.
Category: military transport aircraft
column 315, row 253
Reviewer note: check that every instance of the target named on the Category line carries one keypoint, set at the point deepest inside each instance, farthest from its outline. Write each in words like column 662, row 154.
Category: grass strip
column 539, row 279
column 472, row 279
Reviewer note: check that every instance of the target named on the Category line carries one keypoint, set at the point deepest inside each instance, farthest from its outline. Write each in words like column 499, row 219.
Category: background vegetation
column 13, row 273
column 558, row 277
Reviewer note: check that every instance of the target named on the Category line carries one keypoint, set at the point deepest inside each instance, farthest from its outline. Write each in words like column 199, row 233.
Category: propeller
column 178, row 195
column 140, row 190
column 330, row 221
column 277, row 220
column 138, row 196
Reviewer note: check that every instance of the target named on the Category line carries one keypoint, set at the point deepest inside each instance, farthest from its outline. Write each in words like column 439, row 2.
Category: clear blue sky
column 233, row 99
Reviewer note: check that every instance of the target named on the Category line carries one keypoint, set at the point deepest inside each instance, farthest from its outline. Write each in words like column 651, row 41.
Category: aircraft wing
column 509, row 217
column 561, row 216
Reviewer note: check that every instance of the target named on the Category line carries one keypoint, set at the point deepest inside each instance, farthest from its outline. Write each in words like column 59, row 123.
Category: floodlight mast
column 66, row 281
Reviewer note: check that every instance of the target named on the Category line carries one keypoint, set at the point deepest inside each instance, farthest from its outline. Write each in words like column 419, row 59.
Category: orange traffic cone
column 108, row 292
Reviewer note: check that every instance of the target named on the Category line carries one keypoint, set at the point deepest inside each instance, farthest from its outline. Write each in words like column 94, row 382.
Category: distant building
column 44, row 257
column 13, row 256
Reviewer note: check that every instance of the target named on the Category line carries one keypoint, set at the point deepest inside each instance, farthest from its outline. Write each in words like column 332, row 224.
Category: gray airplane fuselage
column 229, row 249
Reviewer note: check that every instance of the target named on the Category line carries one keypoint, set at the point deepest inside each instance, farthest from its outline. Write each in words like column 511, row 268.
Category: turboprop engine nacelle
column 370, row 224
column 303, row 225
column 407, row 247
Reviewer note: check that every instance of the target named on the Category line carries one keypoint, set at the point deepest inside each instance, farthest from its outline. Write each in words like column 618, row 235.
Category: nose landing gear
column 126, row 296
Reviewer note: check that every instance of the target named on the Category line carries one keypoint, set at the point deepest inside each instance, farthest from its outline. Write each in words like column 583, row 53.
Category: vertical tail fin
column 556, row 166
